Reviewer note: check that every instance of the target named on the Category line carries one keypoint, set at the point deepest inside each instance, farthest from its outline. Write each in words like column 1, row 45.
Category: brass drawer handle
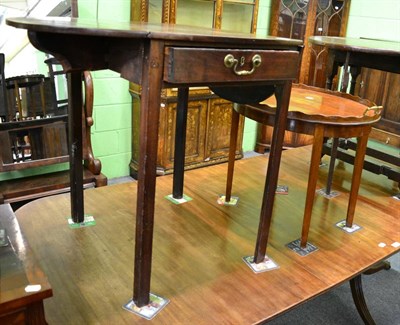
column 230, row 62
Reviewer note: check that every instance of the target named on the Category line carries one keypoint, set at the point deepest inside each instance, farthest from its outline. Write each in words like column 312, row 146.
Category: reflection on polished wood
column 19, row 268
column 199, row 245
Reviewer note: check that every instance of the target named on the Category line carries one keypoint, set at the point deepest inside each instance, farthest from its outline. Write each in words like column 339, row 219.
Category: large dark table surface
column 199, row 245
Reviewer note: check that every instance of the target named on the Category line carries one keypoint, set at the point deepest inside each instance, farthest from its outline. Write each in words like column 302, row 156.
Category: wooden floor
column 199, row 245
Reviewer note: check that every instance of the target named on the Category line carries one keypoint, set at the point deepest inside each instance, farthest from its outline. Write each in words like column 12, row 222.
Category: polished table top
column 199, row 245
column 358, row 44
column 360, row 52
column 142, row 30
column 105, row 44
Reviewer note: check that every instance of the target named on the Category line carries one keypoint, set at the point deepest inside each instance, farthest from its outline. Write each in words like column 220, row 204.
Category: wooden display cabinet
column 34, row 133
column 207, row 133
column 301, row 19
column 209, row 117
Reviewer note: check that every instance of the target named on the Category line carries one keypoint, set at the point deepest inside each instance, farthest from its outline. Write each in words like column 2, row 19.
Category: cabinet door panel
column 219, row 129
column 195, row 133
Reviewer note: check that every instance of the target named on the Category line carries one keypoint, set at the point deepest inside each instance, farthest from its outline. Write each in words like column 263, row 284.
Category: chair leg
column 312, row 181
column 357, row 171
column 232, row 153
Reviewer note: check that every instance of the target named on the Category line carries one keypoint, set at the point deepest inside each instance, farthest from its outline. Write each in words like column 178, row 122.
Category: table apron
column 208, row 65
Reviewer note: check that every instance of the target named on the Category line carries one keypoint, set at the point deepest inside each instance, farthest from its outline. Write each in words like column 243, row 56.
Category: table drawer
column 204, row 66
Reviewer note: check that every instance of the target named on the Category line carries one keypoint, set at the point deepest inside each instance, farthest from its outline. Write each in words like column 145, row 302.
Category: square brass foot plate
column 342, row 225
column 295, row 247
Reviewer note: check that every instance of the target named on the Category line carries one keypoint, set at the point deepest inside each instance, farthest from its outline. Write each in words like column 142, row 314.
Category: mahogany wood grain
column 199, row 245
column 27, row 188
column 75, row 150
column 180, row 141
column 149, row 119
column 232, row 153
column 358, row 297
column 312, row 104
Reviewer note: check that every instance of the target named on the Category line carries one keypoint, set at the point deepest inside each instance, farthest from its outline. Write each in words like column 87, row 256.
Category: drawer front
column 205, row 66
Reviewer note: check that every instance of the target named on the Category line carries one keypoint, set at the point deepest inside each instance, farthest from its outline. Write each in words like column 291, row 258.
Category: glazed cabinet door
column 300, row 19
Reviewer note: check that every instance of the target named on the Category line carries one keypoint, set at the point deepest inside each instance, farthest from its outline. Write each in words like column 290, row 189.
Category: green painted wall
column 250, row 126
column 374, row 19
column 111, row 133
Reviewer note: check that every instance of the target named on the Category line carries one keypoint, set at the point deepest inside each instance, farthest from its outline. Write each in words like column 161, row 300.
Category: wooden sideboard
column 199, row 247
column 207, row 133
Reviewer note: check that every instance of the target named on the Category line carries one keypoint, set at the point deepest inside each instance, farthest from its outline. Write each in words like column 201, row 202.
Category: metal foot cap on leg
column 266, row 265
column 184, row 199
column 342, row 225
column 149, row 311
column 295, row 246
column 88, row 220
column 233, row 201
column 331, row 195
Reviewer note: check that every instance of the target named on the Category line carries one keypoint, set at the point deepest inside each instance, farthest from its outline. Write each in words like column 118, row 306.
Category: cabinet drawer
column 205, row 66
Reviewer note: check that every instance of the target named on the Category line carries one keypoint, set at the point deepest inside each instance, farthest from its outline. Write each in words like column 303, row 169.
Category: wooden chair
column 34, row 134
column 55, row 72
column 321, row 113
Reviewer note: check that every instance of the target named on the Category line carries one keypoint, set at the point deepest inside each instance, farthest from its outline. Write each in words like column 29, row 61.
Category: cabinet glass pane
column 329, row 17
column 195, row 13
column 155, row 11
column 292, row 18
column 237, row 17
